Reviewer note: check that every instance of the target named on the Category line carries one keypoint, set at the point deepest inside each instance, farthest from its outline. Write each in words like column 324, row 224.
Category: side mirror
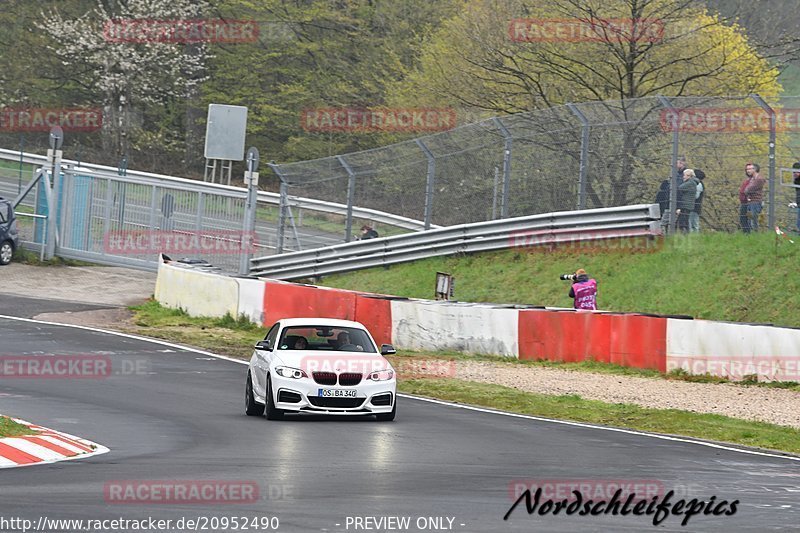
column 387, row 349
column 263, row 345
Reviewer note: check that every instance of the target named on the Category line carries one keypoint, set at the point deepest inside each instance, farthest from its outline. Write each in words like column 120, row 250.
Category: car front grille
column 341, row 403
column 324, row 378
column 350, row 379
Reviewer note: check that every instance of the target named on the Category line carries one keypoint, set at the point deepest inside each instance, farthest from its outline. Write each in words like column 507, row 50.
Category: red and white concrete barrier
column 728, row 350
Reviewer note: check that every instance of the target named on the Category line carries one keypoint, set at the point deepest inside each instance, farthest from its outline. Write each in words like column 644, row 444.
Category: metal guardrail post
column 284, row 200
column 673, row 189
column 509, row 140
column 351, row 193
column 772, row 130
column 250, row 206
column 428, row 183
column 584, row 162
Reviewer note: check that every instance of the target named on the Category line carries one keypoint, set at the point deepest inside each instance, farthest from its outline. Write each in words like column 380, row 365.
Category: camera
column 567, row 277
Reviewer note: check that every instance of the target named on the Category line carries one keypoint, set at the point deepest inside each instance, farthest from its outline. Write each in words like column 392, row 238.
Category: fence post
column 772, row 127
column 428, row 182
column 509, row 140
column 584, row 162
column 251, row 204
column 284, row 190
column 673, row 189
column 351, row 194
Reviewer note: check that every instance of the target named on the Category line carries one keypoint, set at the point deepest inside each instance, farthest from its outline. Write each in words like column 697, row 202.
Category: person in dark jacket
column 694, row 218
column 367, row 232
column 686, row 198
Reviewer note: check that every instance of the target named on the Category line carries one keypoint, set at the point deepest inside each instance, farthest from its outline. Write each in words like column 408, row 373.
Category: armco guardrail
column 147, row 178
column 568, row 226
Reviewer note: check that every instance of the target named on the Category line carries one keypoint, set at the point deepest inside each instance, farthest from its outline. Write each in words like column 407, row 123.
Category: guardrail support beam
column 772, row 130
column 584, row 162
column 429, row 182
column 351, row 194
column 673, row 186
column 509, row 140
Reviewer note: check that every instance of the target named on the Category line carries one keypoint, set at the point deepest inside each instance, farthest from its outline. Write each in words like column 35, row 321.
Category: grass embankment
column 235, row 338
column 9, row 428
column 715, row 276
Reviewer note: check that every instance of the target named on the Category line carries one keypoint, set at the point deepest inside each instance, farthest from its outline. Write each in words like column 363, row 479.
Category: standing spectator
column 367, row 232
column 694, row 218
column 751, row 194
column 663, row 195
column 796, row 176
column 686, row 198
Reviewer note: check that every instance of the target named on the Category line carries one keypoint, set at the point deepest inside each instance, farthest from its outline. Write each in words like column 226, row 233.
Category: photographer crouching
column 583, row 290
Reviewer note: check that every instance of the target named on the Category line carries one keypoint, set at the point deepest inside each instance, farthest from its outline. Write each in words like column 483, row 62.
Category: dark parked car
column 9, row 236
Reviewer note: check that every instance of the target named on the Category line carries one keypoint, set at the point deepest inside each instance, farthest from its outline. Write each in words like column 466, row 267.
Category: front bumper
column 371, row 397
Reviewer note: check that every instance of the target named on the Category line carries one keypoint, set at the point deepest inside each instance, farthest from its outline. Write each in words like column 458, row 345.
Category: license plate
column 336, row 393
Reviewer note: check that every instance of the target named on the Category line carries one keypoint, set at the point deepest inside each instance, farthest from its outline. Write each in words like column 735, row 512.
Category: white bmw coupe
column 323, row 366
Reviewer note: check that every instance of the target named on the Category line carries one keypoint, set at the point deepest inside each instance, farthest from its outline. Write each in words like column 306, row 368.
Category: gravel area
column 777, row 406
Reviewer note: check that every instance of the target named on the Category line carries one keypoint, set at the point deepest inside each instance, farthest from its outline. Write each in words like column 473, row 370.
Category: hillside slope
column 714, row 276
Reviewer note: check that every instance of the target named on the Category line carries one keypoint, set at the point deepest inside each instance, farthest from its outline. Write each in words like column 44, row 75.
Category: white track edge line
column 432, row 400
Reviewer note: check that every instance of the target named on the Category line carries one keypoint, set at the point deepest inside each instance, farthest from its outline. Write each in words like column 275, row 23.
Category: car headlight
column 289, row 372
column 381, row 375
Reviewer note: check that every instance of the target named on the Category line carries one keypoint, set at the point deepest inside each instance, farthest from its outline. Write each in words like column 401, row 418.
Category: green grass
column 228, row 335
column 29, row 257
column 715, row 276
column 573, row 407
column 9, row 428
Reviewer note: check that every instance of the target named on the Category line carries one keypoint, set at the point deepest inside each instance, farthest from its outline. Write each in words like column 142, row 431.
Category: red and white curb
column 44, row 445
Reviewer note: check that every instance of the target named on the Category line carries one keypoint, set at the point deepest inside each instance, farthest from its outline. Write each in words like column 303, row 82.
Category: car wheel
column 251, row 406
column 273, row 413
column 6, row 251
column 388, row 417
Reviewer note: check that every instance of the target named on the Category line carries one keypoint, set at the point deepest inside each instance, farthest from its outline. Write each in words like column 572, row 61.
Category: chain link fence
column 576, row 156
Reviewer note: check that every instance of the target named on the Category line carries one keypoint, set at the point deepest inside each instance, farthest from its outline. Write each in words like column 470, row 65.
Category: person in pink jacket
column 584, row 291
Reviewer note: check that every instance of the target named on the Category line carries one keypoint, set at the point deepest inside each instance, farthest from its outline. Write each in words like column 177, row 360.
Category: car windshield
column 326, row 338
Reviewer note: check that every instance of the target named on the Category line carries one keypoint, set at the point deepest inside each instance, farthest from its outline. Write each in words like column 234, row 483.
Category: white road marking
column 440, row 402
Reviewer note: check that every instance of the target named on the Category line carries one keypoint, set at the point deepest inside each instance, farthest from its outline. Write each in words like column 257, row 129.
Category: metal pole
column 21, row 148
column 494, row 192
column 284, row 190
column 54, row 156
column 584, row 163
column 673, row 189
column 429, row 182
column 251, row 179
column 351, row 193
column 772, row 127
column 509, row 139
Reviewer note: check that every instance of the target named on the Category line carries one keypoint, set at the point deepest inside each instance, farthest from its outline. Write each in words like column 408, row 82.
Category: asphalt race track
column 170, row 414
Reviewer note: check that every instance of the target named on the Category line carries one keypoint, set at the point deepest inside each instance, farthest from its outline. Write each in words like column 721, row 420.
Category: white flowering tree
column 115, row 51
